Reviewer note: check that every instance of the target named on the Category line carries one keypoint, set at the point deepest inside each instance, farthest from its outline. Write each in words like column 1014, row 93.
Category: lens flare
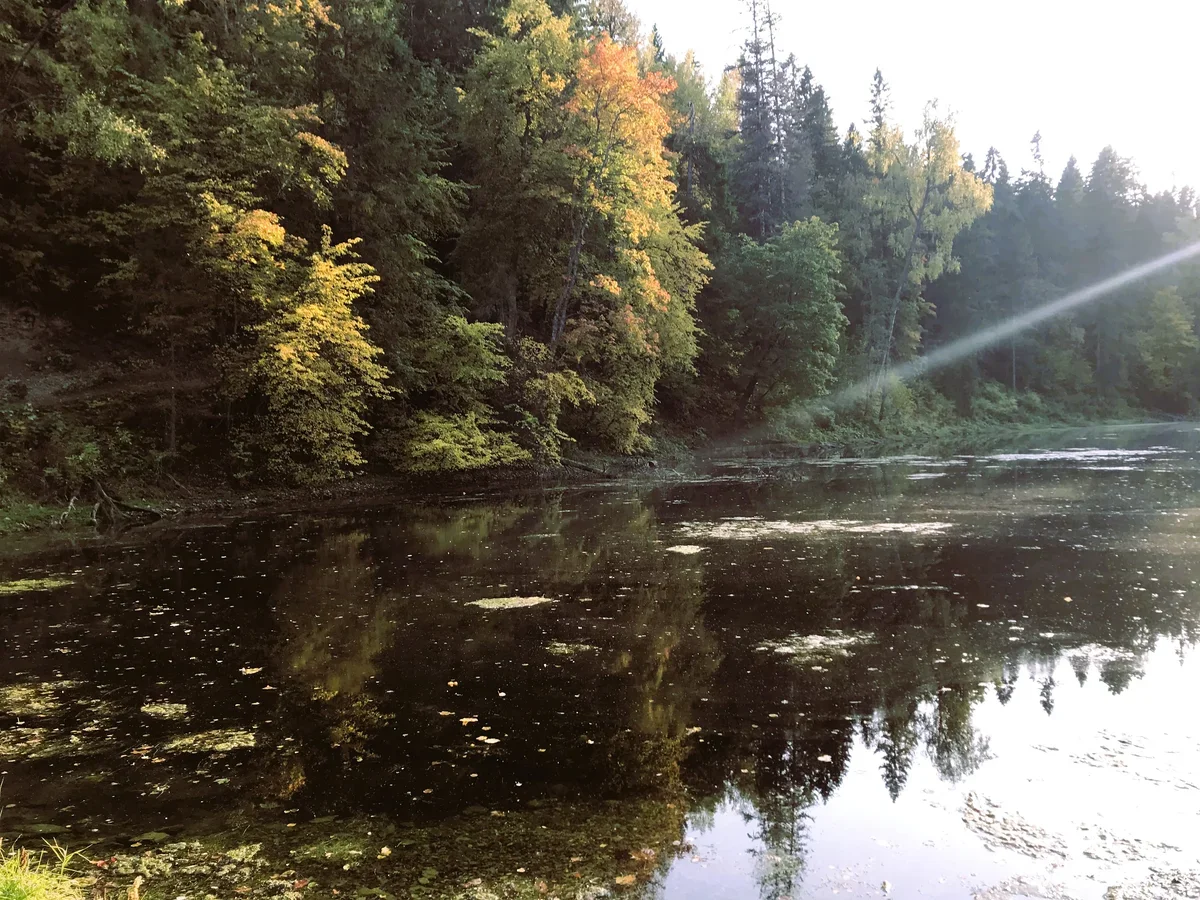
column 994, row 334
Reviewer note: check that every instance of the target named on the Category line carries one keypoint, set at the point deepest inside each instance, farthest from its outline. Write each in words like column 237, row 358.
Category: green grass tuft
column 36, row 876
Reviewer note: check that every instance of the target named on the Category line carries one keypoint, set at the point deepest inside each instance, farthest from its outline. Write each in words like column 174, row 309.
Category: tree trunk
column 691, row 145
column 562, row 307
column 747, row 396
column 886, row 355
column 173, row 407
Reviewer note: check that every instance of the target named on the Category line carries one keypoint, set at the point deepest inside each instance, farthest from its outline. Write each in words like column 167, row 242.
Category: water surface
column 917, row 677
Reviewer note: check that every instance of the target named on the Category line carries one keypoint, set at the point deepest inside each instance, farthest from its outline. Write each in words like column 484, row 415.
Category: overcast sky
column 1085, row 73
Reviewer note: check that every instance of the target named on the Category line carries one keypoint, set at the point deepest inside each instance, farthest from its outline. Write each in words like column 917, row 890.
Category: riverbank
column 27, row 524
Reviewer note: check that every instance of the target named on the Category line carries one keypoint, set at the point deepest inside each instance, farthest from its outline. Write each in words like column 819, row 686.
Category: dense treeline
column 285, row 241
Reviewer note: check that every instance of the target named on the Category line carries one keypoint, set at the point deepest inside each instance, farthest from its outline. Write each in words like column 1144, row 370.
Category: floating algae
column 809, row 647
column 36, row 699
column 217, row 741
column 171, row 711
column 1000, row 829
column 751, row 528
column 29, row 585
column 561, row 648
column 510, row 602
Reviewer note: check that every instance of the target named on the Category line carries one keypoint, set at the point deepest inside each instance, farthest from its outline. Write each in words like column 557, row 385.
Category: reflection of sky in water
column 1119, row 764
column 808, row 660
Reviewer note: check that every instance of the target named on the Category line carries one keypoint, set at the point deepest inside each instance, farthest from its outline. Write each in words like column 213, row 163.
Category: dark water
column 778, row 680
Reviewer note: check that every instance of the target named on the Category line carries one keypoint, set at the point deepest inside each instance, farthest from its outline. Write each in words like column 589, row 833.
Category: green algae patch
column 33, row 699
column 178, row 868
column 510, row 602
column 347, row 850
column 216, row 741
column 562, row 648
column 29, row 743
column 30, row 585
column 169, row 711
column 573, row 851
column 244, row 853
column 806, row 648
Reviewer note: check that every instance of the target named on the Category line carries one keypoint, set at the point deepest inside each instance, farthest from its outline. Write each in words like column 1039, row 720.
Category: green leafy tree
column 917, row 199
column 776, row 319
column 1168, row 351
column 573, row 239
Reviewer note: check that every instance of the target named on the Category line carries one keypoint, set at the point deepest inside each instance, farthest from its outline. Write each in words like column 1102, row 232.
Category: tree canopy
column 290, row 243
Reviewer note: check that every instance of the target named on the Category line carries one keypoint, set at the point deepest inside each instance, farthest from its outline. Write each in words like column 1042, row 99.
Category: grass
column 36, row 876
column 17, row 515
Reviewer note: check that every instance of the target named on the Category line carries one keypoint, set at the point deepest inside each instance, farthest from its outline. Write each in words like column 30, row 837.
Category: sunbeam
column 994, row 334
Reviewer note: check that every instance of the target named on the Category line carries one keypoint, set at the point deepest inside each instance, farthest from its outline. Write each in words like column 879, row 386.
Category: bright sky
column 1085, row 73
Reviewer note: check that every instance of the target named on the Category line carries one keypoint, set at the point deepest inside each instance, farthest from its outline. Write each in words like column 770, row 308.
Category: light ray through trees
column 1002, row 331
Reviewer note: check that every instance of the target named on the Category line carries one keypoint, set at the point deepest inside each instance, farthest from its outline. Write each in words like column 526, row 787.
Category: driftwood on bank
column 572, row 464
column 110, row 510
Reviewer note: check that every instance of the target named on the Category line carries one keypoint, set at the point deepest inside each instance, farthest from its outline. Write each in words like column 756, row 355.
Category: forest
column 287, row 242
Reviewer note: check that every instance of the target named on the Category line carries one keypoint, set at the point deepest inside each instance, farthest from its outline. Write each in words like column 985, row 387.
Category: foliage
column 573, row 240
column 288, row 242
column 915, row 200
column 306, row 370
column 775, row 313
column 541, row 396
column 1168, row 349
column 46, row 453
column 436, row 443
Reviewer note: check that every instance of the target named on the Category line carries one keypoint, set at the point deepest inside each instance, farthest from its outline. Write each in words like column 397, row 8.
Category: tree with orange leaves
column 574, row 238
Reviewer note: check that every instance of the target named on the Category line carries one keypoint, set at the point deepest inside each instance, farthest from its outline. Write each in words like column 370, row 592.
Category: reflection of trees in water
column 333, row 626
column 892, row 731
column 1047, row 693
column 950, row 738
column 388, row 608
column 650, row 619
column 551, row 542
column 784, row 786
column 1006, row 683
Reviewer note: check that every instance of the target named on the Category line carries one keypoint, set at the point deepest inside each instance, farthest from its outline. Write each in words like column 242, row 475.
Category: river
column 972, row 676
